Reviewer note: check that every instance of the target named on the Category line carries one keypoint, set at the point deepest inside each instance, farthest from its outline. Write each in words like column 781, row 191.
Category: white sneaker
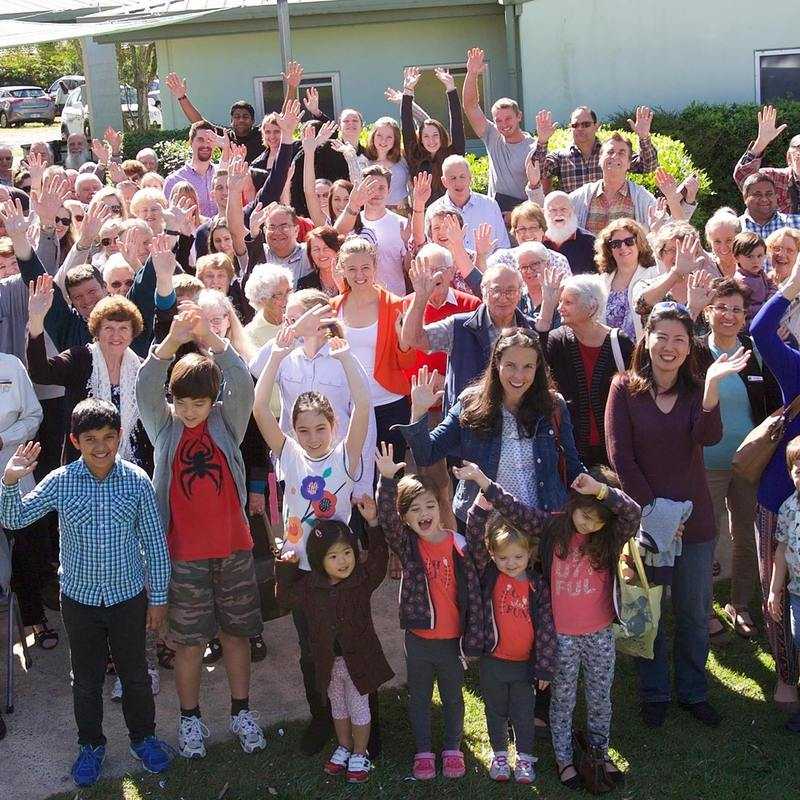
column 251, row 737
column 337, row 763
column 358, row 767
column 116, row 691
column 191, row 733
column 155, row 680
column 499, row 769
column 524, row 771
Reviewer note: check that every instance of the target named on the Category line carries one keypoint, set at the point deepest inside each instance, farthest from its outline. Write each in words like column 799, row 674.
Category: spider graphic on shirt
column 197, row 463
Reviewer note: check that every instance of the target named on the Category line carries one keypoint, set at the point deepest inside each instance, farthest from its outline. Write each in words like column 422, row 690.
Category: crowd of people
column 325, row 348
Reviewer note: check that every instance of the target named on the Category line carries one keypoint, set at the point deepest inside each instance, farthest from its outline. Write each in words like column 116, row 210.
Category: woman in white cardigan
column 624, row 258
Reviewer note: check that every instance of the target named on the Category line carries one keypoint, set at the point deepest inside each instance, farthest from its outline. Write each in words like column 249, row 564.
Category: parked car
column 60, row 88
column 21, row 104
column 75, row 114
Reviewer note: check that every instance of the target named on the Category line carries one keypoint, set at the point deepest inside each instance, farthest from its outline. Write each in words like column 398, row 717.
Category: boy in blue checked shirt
column 112, row 545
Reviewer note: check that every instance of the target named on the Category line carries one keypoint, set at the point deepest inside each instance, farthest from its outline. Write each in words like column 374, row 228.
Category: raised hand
column 393, row 96
column 423, row 279
column 483, row 239
column 131, row 245
column 551, row 285
column 311, row 101
column 257, row 219
column 284, row 342
column 545, row 127
column 93, row 220
column 339, row 348
column 101, row 151
column 114, row 138
column 14, row 219
column 288, row 118
column 690, row 187
column 475, row 60
column 40, row 300
column 290, row 557
column 421, row 189
column 22, row 463
column 177, row 85
column 471, row 472
column 183, row 212
column 326, row 131
column 688, row 255
column 445, row 78
column 586, row 484
column 644, row 119
column 55, row 190
column 363, row 191
column 532, row 170
column 423, row 392
column 116, row 173
column 238, row 170
column 384, row 460
column 698, row 291
column 163, row 258
column 345, row 148
column 411, row 76
column 36, row 166
column 727, row 365
column 657, row 214
column 666, row 182
column 368, row 508
column 293, row 74
column 768, row 130
column 183, row 324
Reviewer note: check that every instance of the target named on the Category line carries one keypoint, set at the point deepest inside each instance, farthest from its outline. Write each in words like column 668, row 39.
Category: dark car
column 21, row 104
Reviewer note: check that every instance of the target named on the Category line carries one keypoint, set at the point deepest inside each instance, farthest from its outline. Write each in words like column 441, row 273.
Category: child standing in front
column 319, row 477
column 579, row 548
column 200, row 483
column 787, row 559
column 114, row 575
column 519, row 638
column 440, row 609
column 349, row 662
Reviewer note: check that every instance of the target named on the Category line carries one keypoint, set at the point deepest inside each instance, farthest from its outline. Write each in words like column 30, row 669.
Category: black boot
column 320, row 729
column 374, row 744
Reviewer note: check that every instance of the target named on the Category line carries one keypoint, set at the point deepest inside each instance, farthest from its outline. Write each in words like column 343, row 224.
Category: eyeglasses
column 279, row 295
column 108, row 240
column 628, row 241
column 127, row 283
column 284, row 226
column 532, row 267
column 723, row 309
column 495, row 292
column 115, row 209
column 216, row 321
column 585, row 124
column 64, row 220
column 527, row 229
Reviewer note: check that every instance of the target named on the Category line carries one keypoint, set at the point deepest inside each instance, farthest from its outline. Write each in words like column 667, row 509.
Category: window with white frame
column 269, row 92
column 431, row 96
column 777, row 75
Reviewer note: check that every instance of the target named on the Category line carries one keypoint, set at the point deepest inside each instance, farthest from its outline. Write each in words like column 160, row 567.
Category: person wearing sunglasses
column 55, row 242
column 625, row 260
column 659, row 416
column 580, row 162
column 117, row 275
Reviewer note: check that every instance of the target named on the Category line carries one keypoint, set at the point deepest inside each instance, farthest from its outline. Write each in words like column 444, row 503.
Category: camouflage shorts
column 211, row 595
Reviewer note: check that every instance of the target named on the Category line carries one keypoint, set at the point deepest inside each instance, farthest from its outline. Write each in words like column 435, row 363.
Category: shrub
column 715, row 136
column 479, row 166
column 159, row 140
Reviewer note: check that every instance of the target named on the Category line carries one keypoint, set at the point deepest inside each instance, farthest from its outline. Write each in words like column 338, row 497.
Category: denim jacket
column 450, row 439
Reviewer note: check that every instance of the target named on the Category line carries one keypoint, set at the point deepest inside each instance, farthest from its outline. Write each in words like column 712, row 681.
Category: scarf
column 99, row 387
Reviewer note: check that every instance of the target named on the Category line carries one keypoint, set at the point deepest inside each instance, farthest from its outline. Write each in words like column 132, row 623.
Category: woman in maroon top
column 658, row 419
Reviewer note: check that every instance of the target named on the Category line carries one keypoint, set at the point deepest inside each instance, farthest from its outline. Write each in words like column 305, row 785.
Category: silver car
column 21, row 104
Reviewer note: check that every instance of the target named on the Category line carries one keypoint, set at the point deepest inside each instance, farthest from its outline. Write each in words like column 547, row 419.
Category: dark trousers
column 28, row 570
column 51, row 437
column 123, row 626
column 397, row 413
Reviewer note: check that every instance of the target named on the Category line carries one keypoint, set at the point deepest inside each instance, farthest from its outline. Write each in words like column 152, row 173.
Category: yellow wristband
column 602, row 492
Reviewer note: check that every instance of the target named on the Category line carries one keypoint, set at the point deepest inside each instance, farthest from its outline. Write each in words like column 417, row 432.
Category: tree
column 40, row 64
column 137, row 67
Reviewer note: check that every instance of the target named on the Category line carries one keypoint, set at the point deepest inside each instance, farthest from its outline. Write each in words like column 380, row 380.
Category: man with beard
column 78, row 152
column 564, row 236
column 199, row 171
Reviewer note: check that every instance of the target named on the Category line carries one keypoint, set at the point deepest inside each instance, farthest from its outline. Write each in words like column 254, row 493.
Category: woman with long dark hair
column 510, row 422
column 659, row 417
column 323, row 244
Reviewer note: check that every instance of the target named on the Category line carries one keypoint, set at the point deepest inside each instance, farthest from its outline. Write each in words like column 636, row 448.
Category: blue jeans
column 691, row 596
column 794, row 612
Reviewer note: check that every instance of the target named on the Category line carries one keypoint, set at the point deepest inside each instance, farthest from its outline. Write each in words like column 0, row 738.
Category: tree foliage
column 40, row 64
column 137, row 66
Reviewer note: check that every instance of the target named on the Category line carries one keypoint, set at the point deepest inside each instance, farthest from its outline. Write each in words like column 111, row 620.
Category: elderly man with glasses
column 580, row 163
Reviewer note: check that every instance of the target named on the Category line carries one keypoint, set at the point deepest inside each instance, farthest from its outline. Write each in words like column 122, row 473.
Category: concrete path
column 36, row 756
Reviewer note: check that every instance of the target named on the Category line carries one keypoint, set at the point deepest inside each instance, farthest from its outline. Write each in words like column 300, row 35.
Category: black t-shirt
column 252, row 141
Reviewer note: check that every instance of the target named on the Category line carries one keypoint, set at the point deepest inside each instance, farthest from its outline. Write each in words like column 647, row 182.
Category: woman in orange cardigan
column 372, row 318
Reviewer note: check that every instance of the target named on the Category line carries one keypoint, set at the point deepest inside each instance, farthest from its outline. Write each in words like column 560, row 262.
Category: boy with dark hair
column 201, row 487
column 750, row 253
column 111, row 538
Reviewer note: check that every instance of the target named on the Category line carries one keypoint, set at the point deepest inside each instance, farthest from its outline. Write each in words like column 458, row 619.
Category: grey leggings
column 595, row 652
column 508, row 694
column 428, row 660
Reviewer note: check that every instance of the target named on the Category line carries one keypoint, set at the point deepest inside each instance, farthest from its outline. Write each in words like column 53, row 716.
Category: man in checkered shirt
column 115, row 573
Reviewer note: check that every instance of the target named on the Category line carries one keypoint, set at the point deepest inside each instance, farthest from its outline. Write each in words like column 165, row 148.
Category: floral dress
column 619, row 313
column 316, row 489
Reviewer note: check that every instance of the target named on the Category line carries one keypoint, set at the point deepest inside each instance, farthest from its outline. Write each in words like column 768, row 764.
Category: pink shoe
column 453, row 764
column 424, row 766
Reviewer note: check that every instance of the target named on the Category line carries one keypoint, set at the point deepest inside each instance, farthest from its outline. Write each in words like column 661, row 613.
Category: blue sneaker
column 154, row 754
column 88, row 765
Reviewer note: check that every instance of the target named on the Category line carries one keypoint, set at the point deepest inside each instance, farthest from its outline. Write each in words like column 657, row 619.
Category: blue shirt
column 110, row 530
column 777, row 222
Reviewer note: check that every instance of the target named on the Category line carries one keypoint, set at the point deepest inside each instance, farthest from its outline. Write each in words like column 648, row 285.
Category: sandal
column 719, row 637
column 574, row 782
column 165, row 655
column 44, row 636
column 258, row 649
column 742, row 621
column 213, row 651
column 614, row 775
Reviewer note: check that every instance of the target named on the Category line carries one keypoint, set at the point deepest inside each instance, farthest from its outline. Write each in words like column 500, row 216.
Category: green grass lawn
column 749, row 756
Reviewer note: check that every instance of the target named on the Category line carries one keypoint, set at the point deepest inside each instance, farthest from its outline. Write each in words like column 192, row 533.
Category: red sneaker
column 424, row 766
column 453, row 764
column 337, row 763
column 358, row 767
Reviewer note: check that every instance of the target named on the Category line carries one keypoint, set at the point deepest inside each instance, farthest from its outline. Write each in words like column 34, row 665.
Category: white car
column 75, row 114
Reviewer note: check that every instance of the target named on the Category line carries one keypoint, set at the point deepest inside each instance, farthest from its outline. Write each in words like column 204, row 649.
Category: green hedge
column 716, row 136
column 165, row 143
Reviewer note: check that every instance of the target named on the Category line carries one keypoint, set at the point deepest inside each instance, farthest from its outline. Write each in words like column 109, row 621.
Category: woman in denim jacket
column 510, row 423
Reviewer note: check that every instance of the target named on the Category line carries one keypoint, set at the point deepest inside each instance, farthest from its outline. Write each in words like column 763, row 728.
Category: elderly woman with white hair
column 721, row 230
column 584, row 354
column 542, row 281
column 267, row 289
